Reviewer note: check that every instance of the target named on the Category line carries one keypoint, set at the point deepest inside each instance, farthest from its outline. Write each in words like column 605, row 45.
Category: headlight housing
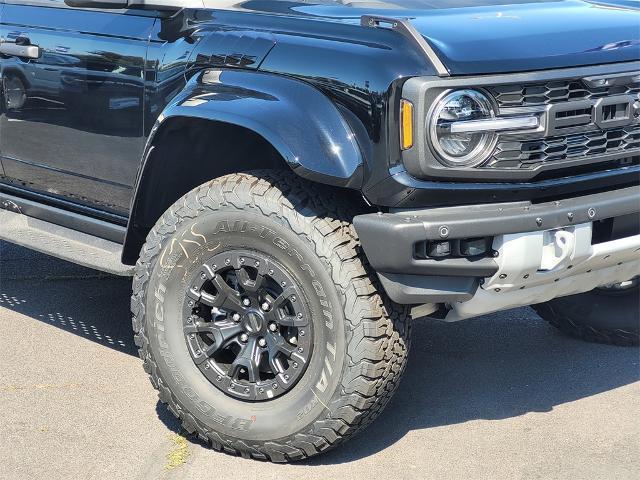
column 460, row 148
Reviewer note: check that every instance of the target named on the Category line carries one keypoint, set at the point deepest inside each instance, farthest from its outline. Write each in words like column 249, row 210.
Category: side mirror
column 146, row 4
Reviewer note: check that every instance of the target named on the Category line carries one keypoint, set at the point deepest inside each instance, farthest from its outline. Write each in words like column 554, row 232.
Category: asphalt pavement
column 502, row 396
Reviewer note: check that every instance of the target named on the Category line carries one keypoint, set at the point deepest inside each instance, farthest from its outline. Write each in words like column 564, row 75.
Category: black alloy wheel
column 247, row 325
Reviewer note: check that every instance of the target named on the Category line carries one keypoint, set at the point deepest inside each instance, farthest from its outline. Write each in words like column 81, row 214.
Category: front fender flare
column 301, row 123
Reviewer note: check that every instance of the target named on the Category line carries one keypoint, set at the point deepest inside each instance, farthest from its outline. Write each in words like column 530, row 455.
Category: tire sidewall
column 184, row 251
column 602, row 310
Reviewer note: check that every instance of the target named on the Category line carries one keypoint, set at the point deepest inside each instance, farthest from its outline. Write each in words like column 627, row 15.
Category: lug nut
column 235, row 317
column 262, row 342
column 246, row 302
column 265, row 306
column 244, row 338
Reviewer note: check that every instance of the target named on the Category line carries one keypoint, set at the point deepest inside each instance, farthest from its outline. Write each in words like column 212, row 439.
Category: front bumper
column 524, row 244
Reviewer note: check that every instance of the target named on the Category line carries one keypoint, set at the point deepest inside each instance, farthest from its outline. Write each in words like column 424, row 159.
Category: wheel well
column 186, row 153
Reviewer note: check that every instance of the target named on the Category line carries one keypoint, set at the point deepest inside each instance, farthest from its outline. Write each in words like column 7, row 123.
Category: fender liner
column 303, row 125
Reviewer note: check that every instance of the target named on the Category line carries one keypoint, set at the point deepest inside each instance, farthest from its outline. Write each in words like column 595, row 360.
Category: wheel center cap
column 252, row 322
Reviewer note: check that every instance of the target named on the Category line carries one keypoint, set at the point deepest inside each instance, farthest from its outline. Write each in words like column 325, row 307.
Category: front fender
column 301, row 123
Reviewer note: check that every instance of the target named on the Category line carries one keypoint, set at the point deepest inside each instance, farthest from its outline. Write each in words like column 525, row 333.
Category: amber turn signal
column 406, row 124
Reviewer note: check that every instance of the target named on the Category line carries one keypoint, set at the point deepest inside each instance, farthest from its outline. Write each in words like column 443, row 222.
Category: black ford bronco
column 289, row 182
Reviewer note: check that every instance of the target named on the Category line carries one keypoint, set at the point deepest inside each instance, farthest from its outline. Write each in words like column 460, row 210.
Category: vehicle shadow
column 81, row 301
column 495, row 367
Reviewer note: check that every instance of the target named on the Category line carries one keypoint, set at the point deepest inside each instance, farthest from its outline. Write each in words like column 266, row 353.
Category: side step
column 65, row 243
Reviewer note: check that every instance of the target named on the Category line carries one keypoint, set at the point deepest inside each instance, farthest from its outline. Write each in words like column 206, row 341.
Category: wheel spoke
column 281, row 345
column 198, row 327
column 249, row 285
column 226, row 297
column 283, row 297
column 292, row 321
column 276, row 368
column 248, row 358
column 225, row 331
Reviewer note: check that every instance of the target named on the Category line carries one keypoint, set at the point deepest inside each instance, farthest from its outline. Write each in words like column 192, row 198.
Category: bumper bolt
column 539, row 221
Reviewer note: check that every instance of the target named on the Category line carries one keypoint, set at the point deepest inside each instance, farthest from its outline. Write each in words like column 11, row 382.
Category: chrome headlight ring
column 451, row 132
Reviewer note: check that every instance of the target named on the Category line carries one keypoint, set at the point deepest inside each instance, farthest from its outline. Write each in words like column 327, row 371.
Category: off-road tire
column 596, row 316
column 374, row 332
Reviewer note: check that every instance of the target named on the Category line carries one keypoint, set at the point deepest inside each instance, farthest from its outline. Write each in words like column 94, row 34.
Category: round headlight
column 460, row 148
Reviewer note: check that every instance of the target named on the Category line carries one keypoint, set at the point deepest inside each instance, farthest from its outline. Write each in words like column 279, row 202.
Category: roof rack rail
column 405, row 28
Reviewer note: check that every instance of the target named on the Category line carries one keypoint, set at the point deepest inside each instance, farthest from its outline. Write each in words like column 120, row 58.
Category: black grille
column 522, row 152
column 546, row 93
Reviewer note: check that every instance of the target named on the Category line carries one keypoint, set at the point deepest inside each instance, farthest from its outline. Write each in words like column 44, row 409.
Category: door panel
column 72, row 123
